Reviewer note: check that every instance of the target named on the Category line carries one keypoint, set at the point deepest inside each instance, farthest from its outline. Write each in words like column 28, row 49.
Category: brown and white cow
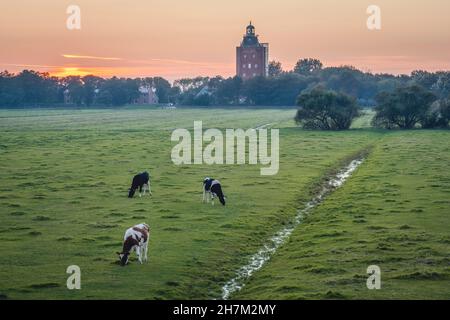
column 135, row 239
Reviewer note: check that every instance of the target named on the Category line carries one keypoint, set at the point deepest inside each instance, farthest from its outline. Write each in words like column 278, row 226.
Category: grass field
column 394, row 213
column 64, row 179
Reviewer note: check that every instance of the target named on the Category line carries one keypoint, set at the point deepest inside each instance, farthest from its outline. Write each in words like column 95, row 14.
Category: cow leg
column 149, row 188
column 146, row 251
column 138, row 252
column 204, row 195
column 140, row 191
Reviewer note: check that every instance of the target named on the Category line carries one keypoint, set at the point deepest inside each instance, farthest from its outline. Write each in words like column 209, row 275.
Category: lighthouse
column 252, row 57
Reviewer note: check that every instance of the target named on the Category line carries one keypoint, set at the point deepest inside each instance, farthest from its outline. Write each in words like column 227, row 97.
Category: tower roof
column 250, row 28
column 250, row 38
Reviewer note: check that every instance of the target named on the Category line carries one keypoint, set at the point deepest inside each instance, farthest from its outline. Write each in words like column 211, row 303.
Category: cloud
column 29, row 65
column 75, row 56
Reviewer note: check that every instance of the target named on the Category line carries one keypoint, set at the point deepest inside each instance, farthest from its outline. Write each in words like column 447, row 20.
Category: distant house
column 203, row 91
column 147, row 95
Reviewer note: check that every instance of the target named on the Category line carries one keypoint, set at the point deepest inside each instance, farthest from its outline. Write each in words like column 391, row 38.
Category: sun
column 70, row 71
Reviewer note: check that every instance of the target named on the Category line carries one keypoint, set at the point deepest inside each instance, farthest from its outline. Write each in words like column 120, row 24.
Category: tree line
column 405, row 102
column 281, row 88
column 33, row 89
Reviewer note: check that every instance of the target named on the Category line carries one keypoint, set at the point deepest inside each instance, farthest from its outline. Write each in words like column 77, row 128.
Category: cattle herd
column 136, row 238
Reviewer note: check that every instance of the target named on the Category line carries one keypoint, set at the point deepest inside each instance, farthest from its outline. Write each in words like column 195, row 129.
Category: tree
column 346, row 79
column 91, row 85
column 162, row 87
column 326, row 110
column 118, row 92
column 36, row 88
column 187, row 84
column 404, row 108
column 442, row 85
column 432, row 117
column 229, row 91
column 285, row 89
column 437, row 115
column 174, row 94
column 203, row 100
column 74, row 85
column 11, row 95
column 308, row 66
column 104, row 97
column 258, row 90
column 275, row 68
column 445, row 111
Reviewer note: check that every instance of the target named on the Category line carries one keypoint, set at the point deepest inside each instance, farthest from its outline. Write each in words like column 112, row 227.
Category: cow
column 212, row 189
column 135, row 239
column 141, row 181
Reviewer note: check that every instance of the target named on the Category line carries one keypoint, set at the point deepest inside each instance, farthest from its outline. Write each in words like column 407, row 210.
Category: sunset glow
column 176, row 39
column 64, row 72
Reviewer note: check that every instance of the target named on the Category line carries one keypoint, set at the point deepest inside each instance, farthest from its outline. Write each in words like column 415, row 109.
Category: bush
column 404, row 108
column 326, row 110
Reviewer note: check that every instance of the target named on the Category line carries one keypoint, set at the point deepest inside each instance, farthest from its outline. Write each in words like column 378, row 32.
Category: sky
column 187, row 38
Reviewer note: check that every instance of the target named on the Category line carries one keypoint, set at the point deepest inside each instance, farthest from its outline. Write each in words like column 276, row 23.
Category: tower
column 252, row 57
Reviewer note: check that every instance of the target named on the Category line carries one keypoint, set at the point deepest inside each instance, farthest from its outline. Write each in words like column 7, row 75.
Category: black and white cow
column 212, row 189
column 135, row 239
column 141, row 181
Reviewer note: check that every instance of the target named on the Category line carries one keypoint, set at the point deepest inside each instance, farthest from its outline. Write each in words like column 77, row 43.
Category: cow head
column 123, row 258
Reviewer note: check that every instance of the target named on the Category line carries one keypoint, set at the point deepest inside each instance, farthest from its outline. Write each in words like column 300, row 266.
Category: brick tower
column 252, row 57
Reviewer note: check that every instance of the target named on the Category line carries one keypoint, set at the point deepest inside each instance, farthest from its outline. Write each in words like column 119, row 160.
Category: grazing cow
column 136, row 238
column 141, row 181
column 211, row 189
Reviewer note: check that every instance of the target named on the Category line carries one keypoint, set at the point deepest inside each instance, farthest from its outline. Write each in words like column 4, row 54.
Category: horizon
column 178, row 40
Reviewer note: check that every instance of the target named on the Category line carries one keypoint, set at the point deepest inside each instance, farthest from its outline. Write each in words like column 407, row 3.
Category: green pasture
column 394, row 212
column 64, row 176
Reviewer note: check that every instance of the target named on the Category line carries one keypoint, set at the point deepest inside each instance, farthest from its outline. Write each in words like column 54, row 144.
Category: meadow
column 63, row 201
column 393, row 213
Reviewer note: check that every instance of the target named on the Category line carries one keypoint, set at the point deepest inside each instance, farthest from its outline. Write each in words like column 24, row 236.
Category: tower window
column 249, row 65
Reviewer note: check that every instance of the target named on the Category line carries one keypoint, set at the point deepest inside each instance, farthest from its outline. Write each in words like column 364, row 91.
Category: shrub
column 404, row 108
column 326, row 110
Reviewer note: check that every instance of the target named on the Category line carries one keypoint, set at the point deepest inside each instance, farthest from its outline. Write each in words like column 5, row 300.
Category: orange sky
column 185, row 38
